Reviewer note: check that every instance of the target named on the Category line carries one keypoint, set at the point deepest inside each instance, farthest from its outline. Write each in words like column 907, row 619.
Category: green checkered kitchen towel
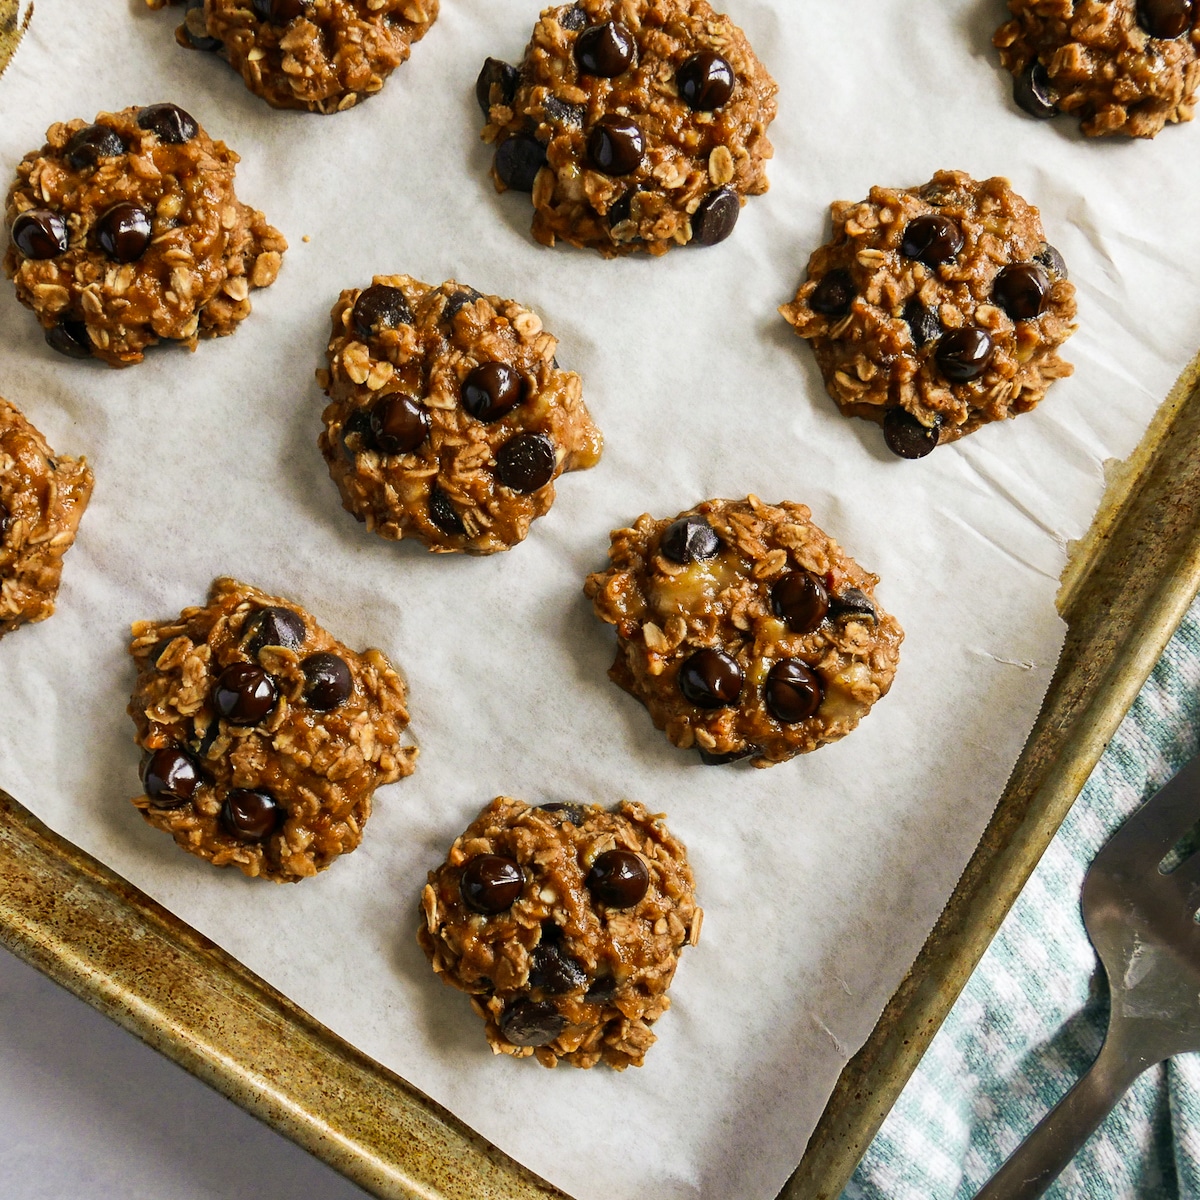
column 1032, row 1017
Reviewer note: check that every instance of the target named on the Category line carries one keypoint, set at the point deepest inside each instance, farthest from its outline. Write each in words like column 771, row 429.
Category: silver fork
column 1142, row 923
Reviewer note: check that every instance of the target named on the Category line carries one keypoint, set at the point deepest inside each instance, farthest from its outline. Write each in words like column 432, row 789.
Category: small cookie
column 565, row 924
column 745, row 630
column 42, row 497
column 449, row 416
column 636, row 124
column 128, row 231
column 265, row 737
column 319, row 55
column 934, row 310
column 1120, row 66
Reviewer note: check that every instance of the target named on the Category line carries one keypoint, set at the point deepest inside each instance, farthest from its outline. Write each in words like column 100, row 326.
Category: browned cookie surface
column 936, row 309
column 264, row 736
column 42, row 497
column 636, row 124
column 565, row 924
column 745, row 630
column 126, row 232
column 449, row 417
column 1120, row 66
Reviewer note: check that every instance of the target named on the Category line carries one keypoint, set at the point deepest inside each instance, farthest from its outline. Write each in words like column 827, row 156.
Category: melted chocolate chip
column 1022, row 290
column 70, row 338
column 244, row 694
column 573, row 19
column 574, row 813
column 793, row 691
column 531, row 1023
column 491, row 883
column 380, row 307
column 124, row 232
column 499, row 77
column 963, row 354
column 714, row 219
column 1166, row 19
column 709, row 759
column 1052, row 261
column 906, row 437
column 92, row 143
column 40, row 233
column 852, row 605
column 551, row 969
column 251, row 815
column 621, row 210
column 689, row 539
column 602, row 990
column 923, row 323
column 278, row 12
column 835, row 293
column 705, row 81
column 711, row 679
column 442, row 514
column 457, row 301
column 399, row 424
column 618, row 878
column 169, row 123
column 604, row 50
column 1034, row 93
column 170, row 777
column 561, row 112
column 801, row 600
column 194, row 30
column 932, row 239
column 518, row 160
column 5, row 517
column 211, row 733
column 275, row 626
column 615, row 145
column 327, row 681
column 526, row 462
column 356, row 434
column 491, row 390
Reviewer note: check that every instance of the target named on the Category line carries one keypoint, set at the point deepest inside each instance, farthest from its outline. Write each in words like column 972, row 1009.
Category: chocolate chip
column 5, row 517
column 327, row 681
column 1034, row 93
column 1166, row 19
column 244, row 694
column 92, row 143
column 573, row 19
column 705, row 81
column 170, row 777
column 561, row 112
column 793, row 691
column 574, row 813
column 615, row 145
column 70, row 338
column 124, row 232
column 399, row 424
column 278, row 12
column 1052, row 261
column 499, row 77
column 193, row 33
column 491, row 883
column 937, row 192
column 835, row 293
column 169, row 123
column 719, row 760
column 551, row 969
column 618, row 878
column 1022, row 290
column 852, row 605
column 963, row 354
column 906, row 436
column 932, row 239
column 526, row 462
column 40, row 233
column 380, row 307
column 711, row 679
column 531, row 1023
column 801, row 600
column 457, row 301
column 602, row 990
column 714, row 219
column 518, row 160
column 356, row 434
column 491, row 390
column 210, row 735
column 621, row 209
column 275, row 626
column 251, row 815
column 442, row 514
column 689, row 539
column 605, row 50
column 923, row 323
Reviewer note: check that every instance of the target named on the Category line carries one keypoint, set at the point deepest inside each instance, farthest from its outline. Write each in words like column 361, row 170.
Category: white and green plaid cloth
column 1032, row 1017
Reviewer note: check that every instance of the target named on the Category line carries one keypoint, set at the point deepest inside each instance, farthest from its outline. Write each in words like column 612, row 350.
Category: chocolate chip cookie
column 449, row 416
column 42, row 497
column 264, row 736
column 126, row 232
column 934, row 310
column 745, row 630
column 635, row 124
column 1120, row 66
column 564, row 923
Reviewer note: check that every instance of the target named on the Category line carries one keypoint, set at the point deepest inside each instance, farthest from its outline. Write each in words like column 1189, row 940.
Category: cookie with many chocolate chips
column 264, row 737
column 934, row 310
column 449, row 416
column 635, row 124
column 745, row 630
column 127, row 231
column 319, row 55
column 1120, row 66
column 565, row 924
column 42, row 497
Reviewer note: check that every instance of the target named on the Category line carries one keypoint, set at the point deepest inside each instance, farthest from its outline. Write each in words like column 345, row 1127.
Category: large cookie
column 934, row 310
column 636, row 124
column 565, row 924
column 42, row 497
column 1120, row 66
column 127, row 231
column 449, row 416
column 745, row 630
column 264, row 736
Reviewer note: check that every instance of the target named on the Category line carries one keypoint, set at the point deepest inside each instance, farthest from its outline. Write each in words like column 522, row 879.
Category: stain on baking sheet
column 12, row 28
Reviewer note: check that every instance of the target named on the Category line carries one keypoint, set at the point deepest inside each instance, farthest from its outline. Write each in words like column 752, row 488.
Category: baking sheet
column 820, row 878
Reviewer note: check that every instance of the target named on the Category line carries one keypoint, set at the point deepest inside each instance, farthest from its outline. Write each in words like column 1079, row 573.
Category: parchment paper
column 820, row 878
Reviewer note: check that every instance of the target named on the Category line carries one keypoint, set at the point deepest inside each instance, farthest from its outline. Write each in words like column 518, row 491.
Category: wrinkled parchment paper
column 821, row 877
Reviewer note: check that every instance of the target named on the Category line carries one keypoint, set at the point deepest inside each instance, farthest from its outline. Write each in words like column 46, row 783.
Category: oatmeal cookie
column 745, row 630
column 264, row 736
column 127, row 231
column 319, row 55
column 1120, row 66
column 42, row 497
column 936, row 309
column 636, row 124
column 565, row 923
column 449, row 416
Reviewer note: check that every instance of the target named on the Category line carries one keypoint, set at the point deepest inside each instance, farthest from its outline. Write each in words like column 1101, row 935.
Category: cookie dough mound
column 1120, row 66
column 42, row 497
column 127, row 231
column 636, row 124
column 264, row 736
column 449, row 417
column 934, row 310
column 565, row 924
column 745, row 630
column 319, row 55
